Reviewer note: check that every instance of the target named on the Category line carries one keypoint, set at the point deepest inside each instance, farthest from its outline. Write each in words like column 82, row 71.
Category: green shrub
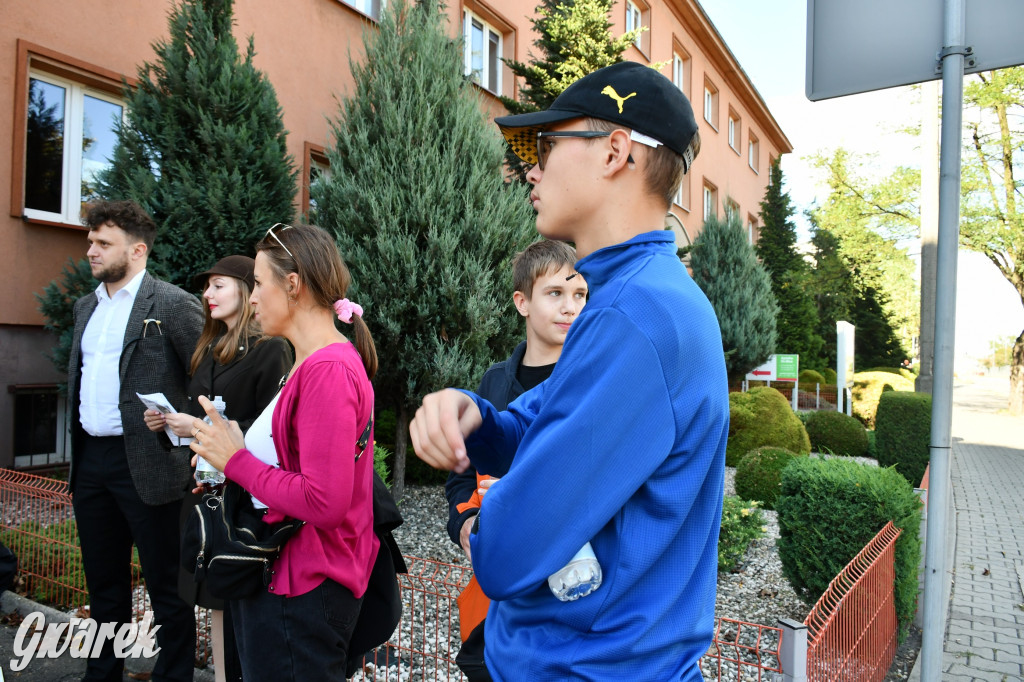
column 869, row 386
column 762, row 416
column 836, row 433
column 872, row 447
column 829, row 509
column 742, row 523
column 381, row 455
column 759, row 472
column 809, row 376
column 903, row 433
column 830, row 376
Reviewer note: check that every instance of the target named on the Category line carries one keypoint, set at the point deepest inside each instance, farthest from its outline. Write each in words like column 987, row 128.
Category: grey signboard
column 860, row 45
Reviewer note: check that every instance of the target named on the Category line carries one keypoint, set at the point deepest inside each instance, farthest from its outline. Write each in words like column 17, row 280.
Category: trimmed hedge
column 830, row 376
column 829, row 509
column 869, row 386
column 762, row 416
column 903, row 432
column 809, row 376
column 759, row 472
column 836, row 433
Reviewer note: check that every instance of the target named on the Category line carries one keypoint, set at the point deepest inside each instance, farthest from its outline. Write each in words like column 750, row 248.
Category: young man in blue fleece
column 624, row 445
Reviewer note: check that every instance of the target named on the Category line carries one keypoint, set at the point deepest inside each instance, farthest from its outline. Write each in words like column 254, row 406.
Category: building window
column 753, row 151
column 732, row 210
column 370, row 8
column 70, row 135
column 634, row 21
column 711, row 104
column 681, row 71
column 482, row 52
column 710, row 201
column 317, row 169
column 771, row 162
column 752, row 234
column 40, row 436
column 734, row 131
column 682, row 198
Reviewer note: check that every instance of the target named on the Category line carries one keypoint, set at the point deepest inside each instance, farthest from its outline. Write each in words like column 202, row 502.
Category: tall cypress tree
column 573, row 39
column 726, row 269
column 796, row 324
column 417, row 201
column 204, row 149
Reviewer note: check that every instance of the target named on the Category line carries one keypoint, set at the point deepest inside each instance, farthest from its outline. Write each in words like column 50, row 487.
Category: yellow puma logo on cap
column 610, row 91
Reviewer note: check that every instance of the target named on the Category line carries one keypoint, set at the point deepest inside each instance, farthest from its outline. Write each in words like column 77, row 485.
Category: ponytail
column 365, row 346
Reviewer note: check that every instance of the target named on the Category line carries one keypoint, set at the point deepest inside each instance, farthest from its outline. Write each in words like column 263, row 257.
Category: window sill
column 754, row 170
column 52, row 223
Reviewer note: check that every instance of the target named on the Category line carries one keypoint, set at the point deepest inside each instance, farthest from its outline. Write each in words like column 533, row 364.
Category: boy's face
column 552, row 307
column 562, row 192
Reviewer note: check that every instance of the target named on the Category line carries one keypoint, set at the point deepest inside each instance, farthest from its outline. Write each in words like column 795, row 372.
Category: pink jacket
column 322, row 411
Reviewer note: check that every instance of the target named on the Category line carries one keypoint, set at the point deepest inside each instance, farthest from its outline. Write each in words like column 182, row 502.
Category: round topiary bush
column 830, row 376
column 762, row 416
column 759, row 474
column 836, row 433
column 809, row 376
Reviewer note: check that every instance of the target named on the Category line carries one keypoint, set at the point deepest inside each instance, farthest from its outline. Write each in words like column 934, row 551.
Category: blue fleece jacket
column 623, row 446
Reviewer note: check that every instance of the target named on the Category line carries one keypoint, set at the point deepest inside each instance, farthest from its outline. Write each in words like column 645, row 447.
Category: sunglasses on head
column 270, row 233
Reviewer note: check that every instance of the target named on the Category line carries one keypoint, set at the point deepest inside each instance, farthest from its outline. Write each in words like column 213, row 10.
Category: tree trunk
column 1017, row 378
column 401, row 444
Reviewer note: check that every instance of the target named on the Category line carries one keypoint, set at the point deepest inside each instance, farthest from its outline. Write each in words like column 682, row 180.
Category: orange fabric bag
column 473, row 605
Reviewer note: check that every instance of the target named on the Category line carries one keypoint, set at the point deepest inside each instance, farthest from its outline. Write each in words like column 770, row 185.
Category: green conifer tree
column 796, row 324
column 203, row 150
column 417, row 201
column 573, row 39
column 57, row 304
column 726, row 269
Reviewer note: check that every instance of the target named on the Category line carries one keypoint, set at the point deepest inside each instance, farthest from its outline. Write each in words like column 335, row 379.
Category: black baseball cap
column 629, row 94
column 239, row 267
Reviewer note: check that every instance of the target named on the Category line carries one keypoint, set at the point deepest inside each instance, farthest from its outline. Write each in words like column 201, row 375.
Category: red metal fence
column 809, row 396
column 853, row 626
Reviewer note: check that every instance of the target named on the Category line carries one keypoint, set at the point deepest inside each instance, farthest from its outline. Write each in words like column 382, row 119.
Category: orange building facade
column 63, row 62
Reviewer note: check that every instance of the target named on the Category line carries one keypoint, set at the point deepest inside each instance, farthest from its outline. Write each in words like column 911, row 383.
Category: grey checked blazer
column 154, row 363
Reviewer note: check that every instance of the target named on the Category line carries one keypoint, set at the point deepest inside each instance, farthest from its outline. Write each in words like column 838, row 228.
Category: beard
column 114, row 272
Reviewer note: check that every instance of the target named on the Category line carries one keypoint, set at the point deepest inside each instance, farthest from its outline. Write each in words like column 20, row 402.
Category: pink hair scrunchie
column 346, row 308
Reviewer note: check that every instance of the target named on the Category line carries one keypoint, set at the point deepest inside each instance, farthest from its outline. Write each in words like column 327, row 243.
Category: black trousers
column 305, row 637
column 111, row 517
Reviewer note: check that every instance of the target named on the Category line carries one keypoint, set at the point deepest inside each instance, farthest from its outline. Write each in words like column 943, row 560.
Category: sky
column 769, row 41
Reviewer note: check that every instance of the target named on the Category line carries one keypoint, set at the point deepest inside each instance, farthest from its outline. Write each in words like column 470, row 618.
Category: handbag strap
column 364, row 439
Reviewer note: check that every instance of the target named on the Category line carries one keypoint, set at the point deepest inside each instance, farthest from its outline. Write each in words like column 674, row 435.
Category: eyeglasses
column 270, row 233
column 544, row 148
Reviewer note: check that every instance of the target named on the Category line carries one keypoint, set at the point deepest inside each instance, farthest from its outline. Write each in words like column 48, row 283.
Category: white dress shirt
column 102, row 342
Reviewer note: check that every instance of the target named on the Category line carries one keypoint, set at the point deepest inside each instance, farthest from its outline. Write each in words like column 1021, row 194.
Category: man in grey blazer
column 135, row 334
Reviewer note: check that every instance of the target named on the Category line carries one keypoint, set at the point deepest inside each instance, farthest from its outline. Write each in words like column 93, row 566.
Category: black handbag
column 226, row 545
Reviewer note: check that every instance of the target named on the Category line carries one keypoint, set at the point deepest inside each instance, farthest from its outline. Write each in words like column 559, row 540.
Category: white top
column 102, row 343
column 260, row 441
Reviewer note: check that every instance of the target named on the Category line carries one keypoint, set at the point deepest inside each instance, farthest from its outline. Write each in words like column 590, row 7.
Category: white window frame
column 371, row 8
column 751, row 226
column 711, row 104
column 683, row 199
column 710, row 201
column 634, row 20
column 74, row 107
column 731, row 209
column 732, row 132
column 485, row 77
column 680, row 72
column 753, row 152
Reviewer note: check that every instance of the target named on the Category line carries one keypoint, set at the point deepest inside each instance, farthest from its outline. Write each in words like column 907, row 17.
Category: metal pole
column 945, row 317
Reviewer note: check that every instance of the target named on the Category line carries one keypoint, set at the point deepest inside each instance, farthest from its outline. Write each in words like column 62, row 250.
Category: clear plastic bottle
column 578, row 578
column 206, row 474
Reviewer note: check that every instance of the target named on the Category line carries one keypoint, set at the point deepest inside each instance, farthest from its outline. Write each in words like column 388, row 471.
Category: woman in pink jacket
column 299, row 460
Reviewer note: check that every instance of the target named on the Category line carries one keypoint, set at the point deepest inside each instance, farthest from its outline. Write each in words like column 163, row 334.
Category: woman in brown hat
column 236, row 361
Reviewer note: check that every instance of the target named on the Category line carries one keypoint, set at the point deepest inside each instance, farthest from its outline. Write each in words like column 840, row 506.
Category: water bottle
column 206, row 474
column 578, row 578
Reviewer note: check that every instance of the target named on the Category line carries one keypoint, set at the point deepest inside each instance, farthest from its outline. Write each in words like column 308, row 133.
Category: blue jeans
column 295, row 638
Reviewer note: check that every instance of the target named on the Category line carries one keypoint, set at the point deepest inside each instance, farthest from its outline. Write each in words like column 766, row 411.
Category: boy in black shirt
column 549, row 294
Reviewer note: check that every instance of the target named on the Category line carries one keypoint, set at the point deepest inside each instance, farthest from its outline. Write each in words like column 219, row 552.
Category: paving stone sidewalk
column 985, row 627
